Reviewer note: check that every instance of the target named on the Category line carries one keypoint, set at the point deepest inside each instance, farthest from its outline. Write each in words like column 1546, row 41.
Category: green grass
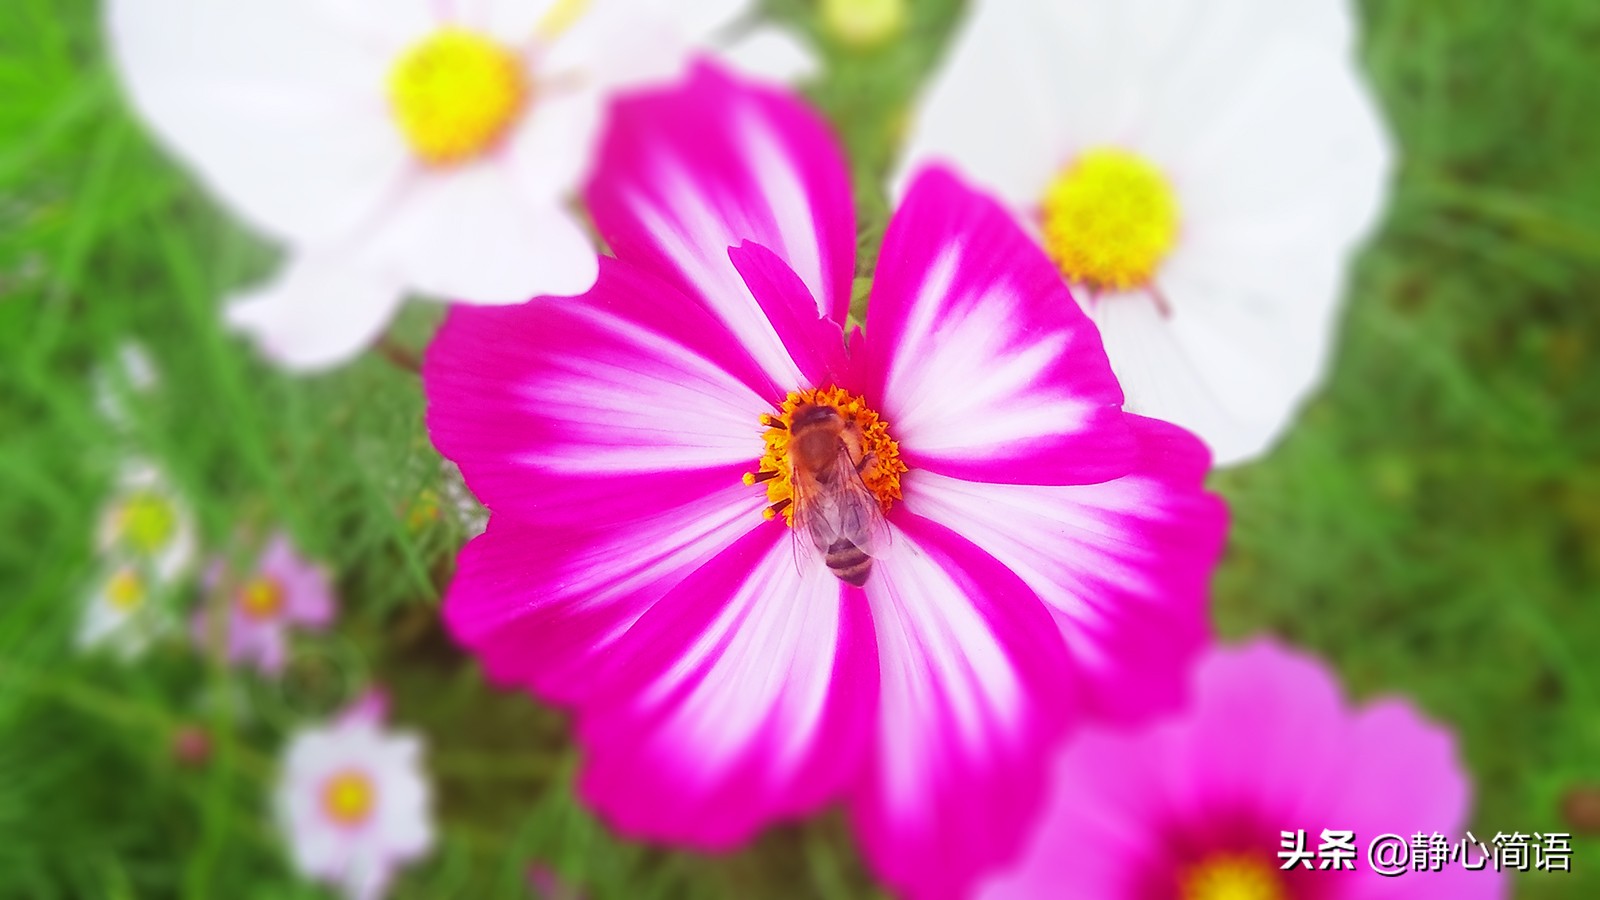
column 1432, row 526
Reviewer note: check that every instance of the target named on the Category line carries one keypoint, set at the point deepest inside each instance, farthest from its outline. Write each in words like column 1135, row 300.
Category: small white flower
column 121, row 613
column 1200, row 172
column 353, row 801
column 147, row 526
column 403, row 145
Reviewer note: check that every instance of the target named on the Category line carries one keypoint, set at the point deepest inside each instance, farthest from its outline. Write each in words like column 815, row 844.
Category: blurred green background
column 1431, row 527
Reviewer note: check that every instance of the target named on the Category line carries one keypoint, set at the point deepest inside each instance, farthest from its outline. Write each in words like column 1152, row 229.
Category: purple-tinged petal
column 815, row 343
column 977, row 355
column 976, row 690
column 745, row 695
column 1123, row 565
column 687, row 172
column 1267, row 744
column 307, row 588
column 260, row 642
column 370, row 708
column 545, row 404
column 544, row 605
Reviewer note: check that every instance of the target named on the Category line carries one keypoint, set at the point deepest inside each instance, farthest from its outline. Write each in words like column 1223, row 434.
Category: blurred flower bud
column 864, row 23
column 191, row 746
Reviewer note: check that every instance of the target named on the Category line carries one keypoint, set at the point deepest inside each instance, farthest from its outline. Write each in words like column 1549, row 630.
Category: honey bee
column 831, row 502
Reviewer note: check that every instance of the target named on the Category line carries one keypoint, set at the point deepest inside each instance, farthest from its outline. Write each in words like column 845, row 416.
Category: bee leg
column 867, row 462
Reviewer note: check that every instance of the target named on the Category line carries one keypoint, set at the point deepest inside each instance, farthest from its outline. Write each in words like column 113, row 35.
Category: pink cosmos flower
column 284, row 589
column 1193, row 807
column 1027, row 554
column 354, row 802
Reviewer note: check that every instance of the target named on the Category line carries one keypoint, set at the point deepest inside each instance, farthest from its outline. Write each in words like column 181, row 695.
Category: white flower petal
column 278, row 106
column 318, row 311
column 513, row 22
column 771, row 53
column 548, row 156
column 618, row 44
column 1011, row 103
column 470, row 234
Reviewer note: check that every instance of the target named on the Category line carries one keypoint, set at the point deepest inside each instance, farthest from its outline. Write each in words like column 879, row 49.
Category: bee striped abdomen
column 848, row 562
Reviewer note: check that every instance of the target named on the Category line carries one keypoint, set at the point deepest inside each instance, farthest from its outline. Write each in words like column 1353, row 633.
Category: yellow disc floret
column 880, row 453
column 261, row 598
column 455, row 93
column 126, row 590
column 1232, row 876
column 1110, row 218
column 348, row 797
column 147, row 522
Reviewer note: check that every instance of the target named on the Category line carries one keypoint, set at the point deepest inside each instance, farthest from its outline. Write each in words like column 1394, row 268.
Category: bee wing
column 844, row 509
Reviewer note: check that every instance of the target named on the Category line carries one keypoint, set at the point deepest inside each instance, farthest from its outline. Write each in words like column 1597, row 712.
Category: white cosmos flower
column 121, row 613
column 147, row 525
column 353, row 801
column 404, row 145
column 1201, row 173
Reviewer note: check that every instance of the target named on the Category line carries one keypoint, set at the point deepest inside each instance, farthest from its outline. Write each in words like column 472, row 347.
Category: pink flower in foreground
column 353, row 801
column 284, row 589
column 1026, row 553
column 1193, row 807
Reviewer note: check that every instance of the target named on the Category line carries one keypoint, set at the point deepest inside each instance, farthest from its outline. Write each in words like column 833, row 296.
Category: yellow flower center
column 126, row 590
column 348, row 797
column 261, row 598
column 1232, row 876
column 147, row 522
column 455, row 93
column 863, row 23
column 865, row 437
column 1110, row 218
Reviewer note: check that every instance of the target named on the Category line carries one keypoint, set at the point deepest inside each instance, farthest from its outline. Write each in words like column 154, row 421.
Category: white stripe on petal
column 696, row 238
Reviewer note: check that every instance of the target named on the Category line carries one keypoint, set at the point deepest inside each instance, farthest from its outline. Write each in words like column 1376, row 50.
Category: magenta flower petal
column 743, row 696
column 980, row 356
column 975, row 688
column 1124, row 565
column 620, row 383
column 686, row 173
column 544, row 605
column 1267, row 745
column 815, row 343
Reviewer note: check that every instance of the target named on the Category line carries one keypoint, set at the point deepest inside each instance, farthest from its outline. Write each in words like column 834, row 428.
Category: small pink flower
column 283, row 589
column 353, row 801
column 1194, row 806
column 1018, row 554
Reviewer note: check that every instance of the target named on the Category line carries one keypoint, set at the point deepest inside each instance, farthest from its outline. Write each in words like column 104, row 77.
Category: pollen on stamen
column 455, row 93
column 1109, row 219
column 1230, row 876
column 881, row 474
